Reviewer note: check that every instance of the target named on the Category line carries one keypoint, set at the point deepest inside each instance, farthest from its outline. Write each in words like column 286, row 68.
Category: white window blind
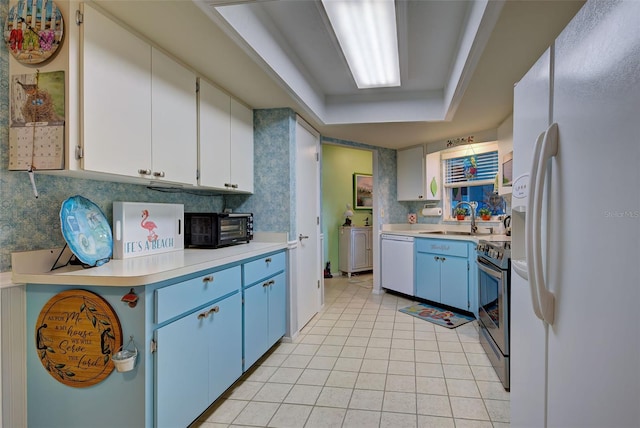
column 471, row 170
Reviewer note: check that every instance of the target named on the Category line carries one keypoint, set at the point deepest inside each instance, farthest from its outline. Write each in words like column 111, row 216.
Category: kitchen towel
column 432, row 212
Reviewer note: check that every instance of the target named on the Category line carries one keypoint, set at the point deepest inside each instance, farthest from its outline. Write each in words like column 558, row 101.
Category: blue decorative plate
column 86, row 230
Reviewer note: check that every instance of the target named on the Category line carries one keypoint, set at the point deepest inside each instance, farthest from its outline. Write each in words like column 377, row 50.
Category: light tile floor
column 361, row 363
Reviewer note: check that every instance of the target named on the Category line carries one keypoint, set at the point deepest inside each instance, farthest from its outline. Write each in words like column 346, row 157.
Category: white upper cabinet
column 139, row 106
column 226, row 141
column 410, row 174
column 241, row 147
column 134, row 116
column 174, row 121
column 434, row 177
column 116, row 97
column 215, row 136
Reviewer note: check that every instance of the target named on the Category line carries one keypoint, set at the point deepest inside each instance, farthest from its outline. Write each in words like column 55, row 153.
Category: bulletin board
column 36, row 131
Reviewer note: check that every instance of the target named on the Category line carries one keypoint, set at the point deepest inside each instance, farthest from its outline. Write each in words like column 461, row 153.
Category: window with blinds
column 471, row 170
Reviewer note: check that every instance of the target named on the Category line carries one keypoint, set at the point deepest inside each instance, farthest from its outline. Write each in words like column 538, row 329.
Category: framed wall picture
column 507, row 169
column 362, row 191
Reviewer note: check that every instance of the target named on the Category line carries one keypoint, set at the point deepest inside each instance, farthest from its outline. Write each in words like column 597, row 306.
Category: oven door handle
column 489, row 270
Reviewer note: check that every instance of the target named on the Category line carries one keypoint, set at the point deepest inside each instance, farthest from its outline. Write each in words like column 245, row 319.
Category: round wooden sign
column 76, row 334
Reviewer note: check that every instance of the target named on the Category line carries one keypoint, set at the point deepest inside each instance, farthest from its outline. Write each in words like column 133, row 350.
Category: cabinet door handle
column 234, row 186
column 301, row 237
column 202, row 315
column 436, row 258
column 208, row 278
column 443, row 258
column 228, row 185
column 158, row 174
column 144, row 171
column 267, row 261
column 213, row 310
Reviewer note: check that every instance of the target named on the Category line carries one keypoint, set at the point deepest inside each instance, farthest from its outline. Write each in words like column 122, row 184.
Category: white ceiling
column 459, row 60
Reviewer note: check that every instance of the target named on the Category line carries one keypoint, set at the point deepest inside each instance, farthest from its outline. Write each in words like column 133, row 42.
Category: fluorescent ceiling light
column 366, row 32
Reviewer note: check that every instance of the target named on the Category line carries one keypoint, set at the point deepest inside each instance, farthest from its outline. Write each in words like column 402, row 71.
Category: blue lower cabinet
column 265, row 319
column 442, row 272
column 182, row 363
column 277, row 309
column 454, row 287
column 428, row 276
column 225, row 345
column 256, row 326
column 199, row 356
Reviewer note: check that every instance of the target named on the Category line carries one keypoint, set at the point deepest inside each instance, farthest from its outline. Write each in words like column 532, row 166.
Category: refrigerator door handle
column 549, row 149
column 528, row 231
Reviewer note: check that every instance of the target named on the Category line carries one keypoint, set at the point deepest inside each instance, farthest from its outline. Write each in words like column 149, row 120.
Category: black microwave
column 215, row 230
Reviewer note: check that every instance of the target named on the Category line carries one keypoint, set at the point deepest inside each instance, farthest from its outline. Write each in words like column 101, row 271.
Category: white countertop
column 6, row 281
column 34, row 266
column 443, row 231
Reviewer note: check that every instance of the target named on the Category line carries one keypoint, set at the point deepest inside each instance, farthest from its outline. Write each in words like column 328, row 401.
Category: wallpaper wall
column 272, row 202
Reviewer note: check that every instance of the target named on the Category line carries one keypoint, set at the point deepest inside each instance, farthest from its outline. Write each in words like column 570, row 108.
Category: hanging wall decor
column 36, row 132
column 76, row 334
column 33, row 31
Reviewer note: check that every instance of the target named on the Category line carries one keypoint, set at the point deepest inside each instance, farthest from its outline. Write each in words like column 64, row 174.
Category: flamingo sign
column 142, row 228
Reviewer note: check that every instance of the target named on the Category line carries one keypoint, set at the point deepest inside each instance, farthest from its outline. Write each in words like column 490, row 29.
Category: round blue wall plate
column 86, row 230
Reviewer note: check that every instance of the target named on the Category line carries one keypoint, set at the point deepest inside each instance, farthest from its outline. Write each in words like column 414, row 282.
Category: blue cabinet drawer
column 176, row 299
column 265, row 267
column 448, row 247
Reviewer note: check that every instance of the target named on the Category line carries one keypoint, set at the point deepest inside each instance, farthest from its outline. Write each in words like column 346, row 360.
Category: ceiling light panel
column 366, row 31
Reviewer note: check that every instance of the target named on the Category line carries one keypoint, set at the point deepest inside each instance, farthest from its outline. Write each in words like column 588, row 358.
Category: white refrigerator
column 575, row 289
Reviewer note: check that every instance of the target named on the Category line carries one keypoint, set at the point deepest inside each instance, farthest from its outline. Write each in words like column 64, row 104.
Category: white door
column 308, row 281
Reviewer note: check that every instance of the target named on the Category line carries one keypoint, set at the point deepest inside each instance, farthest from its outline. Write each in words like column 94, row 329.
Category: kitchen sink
column 481, row 231
column 446, row 232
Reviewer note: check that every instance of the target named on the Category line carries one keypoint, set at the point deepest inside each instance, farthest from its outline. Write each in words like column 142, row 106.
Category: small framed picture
column 362, row 191
column 507, row 169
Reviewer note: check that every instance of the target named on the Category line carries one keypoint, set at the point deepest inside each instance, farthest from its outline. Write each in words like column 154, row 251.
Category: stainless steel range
column 494, row 278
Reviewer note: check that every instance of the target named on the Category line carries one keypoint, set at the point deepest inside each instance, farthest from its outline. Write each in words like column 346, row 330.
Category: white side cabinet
column 226, row 141
column 356, row 249
column 410, row 174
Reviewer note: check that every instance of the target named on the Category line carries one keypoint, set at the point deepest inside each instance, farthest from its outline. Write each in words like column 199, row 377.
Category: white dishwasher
column 397, row 263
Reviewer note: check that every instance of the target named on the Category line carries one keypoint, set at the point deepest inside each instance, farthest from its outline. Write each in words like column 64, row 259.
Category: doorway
column 339, row 164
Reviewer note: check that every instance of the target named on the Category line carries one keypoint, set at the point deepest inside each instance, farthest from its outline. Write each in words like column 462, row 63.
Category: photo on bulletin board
column 362, row 191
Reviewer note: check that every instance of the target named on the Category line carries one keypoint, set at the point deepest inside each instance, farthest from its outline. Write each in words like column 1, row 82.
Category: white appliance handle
column 528, row 231
column 549, row 149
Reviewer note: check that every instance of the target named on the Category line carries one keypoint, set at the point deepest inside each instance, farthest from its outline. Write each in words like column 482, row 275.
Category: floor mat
column 443, row 317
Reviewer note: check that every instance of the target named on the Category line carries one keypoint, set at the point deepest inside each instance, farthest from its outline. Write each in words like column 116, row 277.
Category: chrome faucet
column 472, row 206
